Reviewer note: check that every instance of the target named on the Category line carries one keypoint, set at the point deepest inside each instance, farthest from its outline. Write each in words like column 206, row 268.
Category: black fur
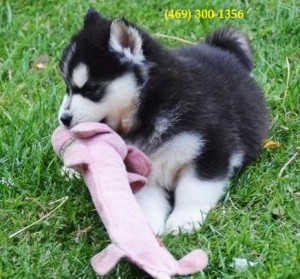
column 207, row 86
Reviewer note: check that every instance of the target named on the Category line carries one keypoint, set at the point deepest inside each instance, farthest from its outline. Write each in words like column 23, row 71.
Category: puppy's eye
column 90, row 88
column 93, row 92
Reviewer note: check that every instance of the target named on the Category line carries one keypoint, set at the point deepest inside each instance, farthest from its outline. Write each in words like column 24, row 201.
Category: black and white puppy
column 195, row 111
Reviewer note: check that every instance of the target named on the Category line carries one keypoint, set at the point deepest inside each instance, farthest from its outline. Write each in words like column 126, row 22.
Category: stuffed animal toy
column 102, row 156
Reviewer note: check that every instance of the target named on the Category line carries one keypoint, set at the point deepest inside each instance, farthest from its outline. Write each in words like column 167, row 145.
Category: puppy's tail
column 233, row 41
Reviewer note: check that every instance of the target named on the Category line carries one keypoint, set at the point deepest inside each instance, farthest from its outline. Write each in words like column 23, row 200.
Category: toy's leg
column 193, row 262
column 194, row 198
column 155, row 205
column 107, row 259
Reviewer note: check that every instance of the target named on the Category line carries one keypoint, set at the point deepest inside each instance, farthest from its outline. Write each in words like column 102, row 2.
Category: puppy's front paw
column 184, row 221
column 69, row 174
column 155, row 206
column 156, row 217
column 157, row 223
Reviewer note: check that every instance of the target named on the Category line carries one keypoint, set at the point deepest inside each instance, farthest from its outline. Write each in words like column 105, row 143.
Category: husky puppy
column 195, row 111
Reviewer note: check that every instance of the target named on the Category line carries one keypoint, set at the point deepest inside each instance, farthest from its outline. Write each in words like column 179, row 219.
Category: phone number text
column 188, row 14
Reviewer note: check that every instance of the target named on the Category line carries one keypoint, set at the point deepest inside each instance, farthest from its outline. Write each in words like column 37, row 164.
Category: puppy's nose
column 66, row 119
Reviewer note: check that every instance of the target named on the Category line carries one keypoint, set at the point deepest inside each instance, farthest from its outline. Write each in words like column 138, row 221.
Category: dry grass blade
column 288, row 162
column 174, row 38
column 287, row 78
column 40, row 220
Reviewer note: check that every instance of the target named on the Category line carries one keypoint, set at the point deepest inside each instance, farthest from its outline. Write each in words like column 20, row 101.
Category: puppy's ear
column 91, row 17
column 126, row 41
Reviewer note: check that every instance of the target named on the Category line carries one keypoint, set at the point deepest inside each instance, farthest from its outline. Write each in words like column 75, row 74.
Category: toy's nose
column 66, row 119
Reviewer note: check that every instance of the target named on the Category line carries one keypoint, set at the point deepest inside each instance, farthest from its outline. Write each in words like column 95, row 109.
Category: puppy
column 195, row 111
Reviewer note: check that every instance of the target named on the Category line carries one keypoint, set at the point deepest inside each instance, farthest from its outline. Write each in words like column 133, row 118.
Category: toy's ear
column 136, row 181
column 137, row 162
column 126, row 41
column 107, row 259
column 91, row 17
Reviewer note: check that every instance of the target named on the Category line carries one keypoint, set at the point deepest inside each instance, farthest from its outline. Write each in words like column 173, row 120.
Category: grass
column 260, row 213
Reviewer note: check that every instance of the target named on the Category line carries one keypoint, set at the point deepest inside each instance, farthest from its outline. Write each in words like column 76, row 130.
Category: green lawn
column 259, row 219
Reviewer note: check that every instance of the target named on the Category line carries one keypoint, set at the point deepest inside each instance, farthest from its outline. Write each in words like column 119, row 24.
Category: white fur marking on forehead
column 127, row 41
column 67, row 60
column 80, row 75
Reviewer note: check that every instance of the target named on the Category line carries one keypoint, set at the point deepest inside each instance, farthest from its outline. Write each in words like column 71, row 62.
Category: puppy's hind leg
column 194, row 197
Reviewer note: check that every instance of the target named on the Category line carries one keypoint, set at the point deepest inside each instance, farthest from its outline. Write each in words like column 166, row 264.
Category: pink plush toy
column 99, row 154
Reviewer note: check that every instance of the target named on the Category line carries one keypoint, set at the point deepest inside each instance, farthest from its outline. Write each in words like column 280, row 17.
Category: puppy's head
column 104, row 68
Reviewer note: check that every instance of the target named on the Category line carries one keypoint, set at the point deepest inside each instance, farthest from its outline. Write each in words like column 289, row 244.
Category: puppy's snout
column 66, row 119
